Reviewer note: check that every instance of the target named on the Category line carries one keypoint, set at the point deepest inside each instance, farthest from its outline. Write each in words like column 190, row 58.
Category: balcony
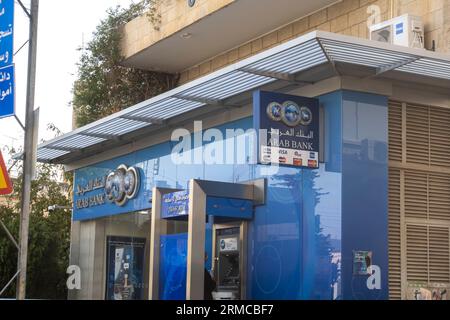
column 187, row 36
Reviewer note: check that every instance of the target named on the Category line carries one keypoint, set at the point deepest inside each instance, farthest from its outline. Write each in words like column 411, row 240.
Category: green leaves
column 49, row 240
column 104, row 86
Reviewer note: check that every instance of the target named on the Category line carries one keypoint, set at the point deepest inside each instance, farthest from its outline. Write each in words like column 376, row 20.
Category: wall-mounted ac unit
column 406, row 30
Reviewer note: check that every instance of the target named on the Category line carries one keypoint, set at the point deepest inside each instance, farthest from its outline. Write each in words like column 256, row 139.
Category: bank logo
column 289, row 113
column 306, row 116
column 122, row 185
column 274, row 111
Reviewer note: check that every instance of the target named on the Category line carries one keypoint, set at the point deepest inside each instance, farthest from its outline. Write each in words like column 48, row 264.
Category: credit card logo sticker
column 298, row 162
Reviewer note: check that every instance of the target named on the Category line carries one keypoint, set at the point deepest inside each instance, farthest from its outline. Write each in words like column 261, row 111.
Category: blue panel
column 332, row 104
column 275, row 256
column 365, row 189
column 229, row 208
column 173, row 267
column 322, row 215
column 176, row 205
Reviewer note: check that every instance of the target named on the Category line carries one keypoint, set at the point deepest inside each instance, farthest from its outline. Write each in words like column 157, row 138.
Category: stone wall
column 348, row 17
column 141, row 33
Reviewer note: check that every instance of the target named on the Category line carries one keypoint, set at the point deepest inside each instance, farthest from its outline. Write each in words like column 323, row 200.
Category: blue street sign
column 6, row 32
column 7, row 93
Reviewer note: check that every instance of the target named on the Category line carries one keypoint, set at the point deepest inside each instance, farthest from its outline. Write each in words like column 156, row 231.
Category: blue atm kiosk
column 227, row 208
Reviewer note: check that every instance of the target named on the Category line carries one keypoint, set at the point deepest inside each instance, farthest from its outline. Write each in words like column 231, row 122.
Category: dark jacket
column 210, row 286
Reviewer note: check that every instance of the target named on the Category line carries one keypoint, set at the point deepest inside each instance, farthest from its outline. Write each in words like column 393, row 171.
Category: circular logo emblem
column 222, row 244
column 131, row 182
column 306, row 116
column 291, row 114
column 122, row 185
column 114, row 187
column 274, row 111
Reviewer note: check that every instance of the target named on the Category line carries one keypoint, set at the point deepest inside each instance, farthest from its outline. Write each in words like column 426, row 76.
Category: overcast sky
column 63, row 24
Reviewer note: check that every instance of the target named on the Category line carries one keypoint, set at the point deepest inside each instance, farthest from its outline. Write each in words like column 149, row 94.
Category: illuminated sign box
column 288, row 129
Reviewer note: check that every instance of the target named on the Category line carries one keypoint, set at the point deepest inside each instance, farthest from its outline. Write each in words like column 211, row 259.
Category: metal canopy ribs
column 284, row 62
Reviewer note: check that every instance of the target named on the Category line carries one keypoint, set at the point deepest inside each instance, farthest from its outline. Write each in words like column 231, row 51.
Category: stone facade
column 348, row 17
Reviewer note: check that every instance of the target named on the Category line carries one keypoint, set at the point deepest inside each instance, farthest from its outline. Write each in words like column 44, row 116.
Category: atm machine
column 229, row 257
column 228, row 207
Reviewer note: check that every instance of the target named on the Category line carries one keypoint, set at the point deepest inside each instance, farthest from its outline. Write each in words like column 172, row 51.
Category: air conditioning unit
column 406, row 30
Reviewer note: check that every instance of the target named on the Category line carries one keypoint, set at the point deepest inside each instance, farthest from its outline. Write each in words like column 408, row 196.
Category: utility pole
column 28, row 154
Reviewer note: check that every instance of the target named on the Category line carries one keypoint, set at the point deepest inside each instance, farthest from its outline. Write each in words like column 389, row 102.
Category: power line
column 25, row 9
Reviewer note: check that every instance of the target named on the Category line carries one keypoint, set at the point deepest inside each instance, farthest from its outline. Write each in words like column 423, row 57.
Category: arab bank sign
column 100, row 192
column 288, row 129
column 7, row 100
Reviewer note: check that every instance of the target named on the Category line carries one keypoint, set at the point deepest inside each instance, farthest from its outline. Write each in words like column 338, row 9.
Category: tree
column 104, row 86
column 49, row 240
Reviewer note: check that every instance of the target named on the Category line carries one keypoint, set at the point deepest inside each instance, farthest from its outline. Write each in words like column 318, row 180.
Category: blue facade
column 173, row 267
column 322, row 211
column 300, row 244
column 365, row 189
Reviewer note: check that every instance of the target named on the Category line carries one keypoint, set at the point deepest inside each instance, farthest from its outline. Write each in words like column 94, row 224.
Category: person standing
column 210, row 283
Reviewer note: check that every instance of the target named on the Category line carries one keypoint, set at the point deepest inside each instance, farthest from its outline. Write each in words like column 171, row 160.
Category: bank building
column 334, row 186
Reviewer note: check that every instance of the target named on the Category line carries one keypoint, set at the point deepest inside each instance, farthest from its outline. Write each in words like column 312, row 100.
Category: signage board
column 288, row 129
column 175, row 205
column 5, row 183
column 6, row 32
column 100, row 192
column 7, row 92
